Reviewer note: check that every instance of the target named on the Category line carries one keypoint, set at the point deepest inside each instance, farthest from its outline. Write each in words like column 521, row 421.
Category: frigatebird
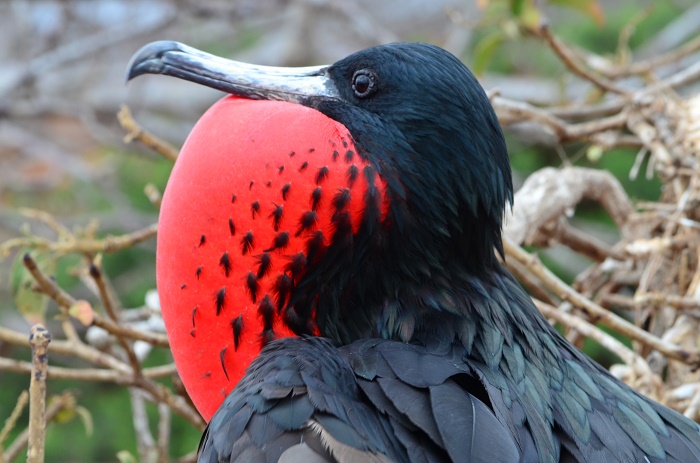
column 328, row 244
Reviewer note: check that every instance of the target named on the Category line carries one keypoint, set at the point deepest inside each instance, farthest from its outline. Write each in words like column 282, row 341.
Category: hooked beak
column 296, row 85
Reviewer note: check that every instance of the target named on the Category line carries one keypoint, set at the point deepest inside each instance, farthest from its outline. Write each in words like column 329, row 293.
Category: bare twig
column 550, row 194
column 510, row 111
column 11, row 421
column 47, row 218
column 74, row 349
column 153, row 194
column 65, row 301
column 82, row 350
column 56, row 405
column 108, row 244
column 566, row 293
column 679, row 79
column 694, row 407
column 651, row 64
column 666, row 300
column 90, row 354
column 569, row 60
column 158, row 340
column 39, row 339
column 86, row 374
column 583, row 243
column 136, row 132
column 164, row 420
column 144, row 439
column 532, row 284
column 108, row 303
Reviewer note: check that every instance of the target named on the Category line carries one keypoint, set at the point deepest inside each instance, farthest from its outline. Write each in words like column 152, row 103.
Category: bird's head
column 304, row 213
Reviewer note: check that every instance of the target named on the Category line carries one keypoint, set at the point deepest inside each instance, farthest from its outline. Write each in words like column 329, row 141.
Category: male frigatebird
column 358, row 208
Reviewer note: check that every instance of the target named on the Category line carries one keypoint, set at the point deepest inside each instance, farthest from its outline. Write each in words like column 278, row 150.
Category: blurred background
column 62, row 149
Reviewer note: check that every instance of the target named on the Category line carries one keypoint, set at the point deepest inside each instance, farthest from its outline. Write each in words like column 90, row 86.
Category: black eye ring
column 363, row 83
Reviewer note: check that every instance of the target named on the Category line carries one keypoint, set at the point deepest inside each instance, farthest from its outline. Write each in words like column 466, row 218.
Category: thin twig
column 39, row 339
column 666, row 300
column 583, row 243
column 74, row 349
column 511, row 111
column 144, row 438
column 164, row 421
column 108, row 244
column 693, row 408
column 153, row 194
column 90, row 354
column 156, row 339
column 81, row 350
column 651, row 64
column 679, row 79
column 86, row 374
column 569, row 60
column 65, row 301
column 159, row 392
column 106, row 298
column 57, row 404
column 47, row 218
column 566, row 293
column 136, row 132
column 533, row 285
column 11, row 421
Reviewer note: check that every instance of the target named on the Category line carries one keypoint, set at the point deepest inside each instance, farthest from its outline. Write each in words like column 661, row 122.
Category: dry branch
column 136, row 132
column 599, row 314
column 570, row 61
column 56, row 405
column 551, row 194
column 11, row 421
column 87, row 374
column 108, row 244
column 39, row 339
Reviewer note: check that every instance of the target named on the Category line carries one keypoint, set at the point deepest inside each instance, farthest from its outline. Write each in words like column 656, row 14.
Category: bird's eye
column 363, row 83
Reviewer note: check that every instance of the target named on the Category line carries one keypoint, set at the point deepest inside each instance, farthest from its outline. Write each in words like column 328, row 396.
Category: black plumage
column 435, row 353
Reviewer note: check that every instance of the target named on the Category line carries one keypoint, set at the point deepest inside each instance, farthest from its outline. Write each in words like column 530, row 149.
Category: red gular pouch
column 252, row 194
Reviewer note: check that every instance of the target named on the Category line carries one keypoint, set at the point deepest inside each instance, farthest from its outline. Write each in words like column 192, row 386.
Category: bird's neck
column 482, row 311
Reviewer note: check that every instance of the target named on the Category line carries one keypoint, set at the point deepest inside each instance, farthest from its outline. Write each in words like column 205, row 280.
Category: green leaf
column 31, row 304
column 517, row 6
column 485, row 50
